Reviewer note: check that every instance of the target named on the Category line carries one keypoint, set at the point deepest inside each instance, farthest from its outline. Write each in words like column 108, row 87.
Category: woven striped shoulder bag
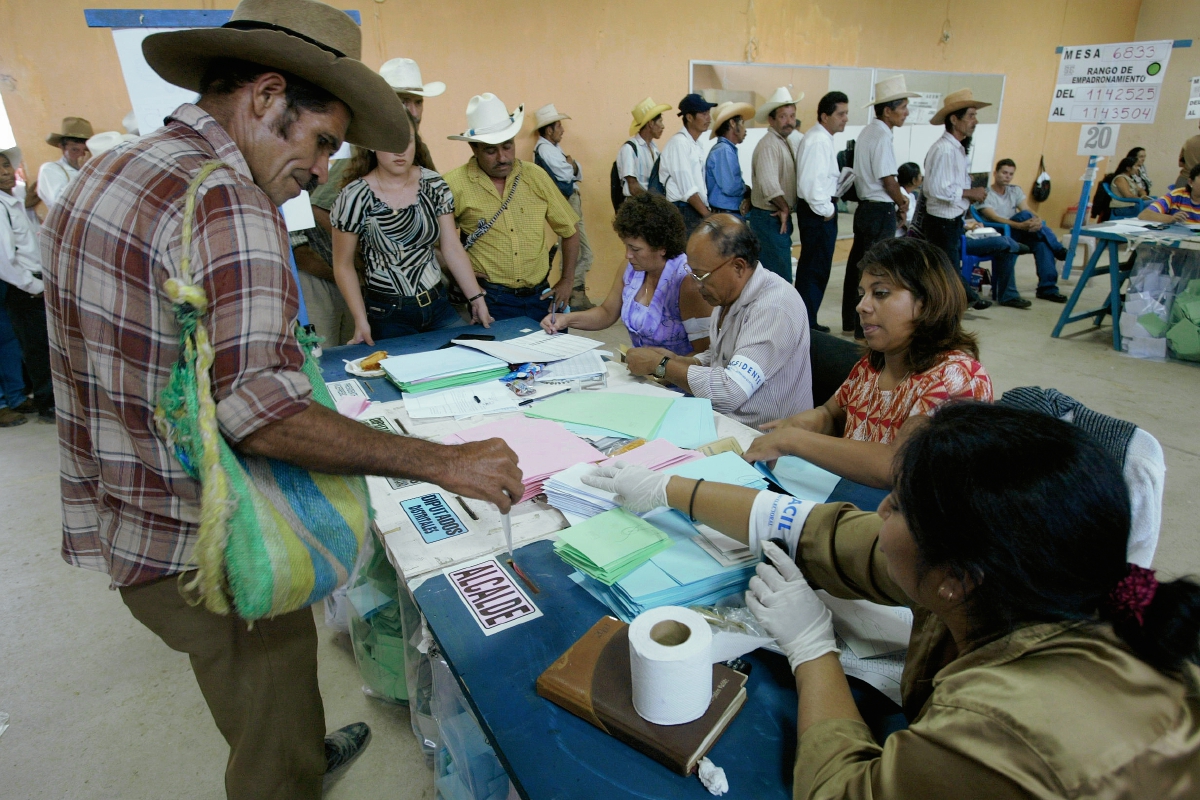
column 273, row 537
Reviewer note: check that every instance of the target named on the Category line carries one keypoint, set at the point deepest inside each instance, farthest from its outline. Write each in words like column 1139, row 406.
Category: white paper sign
column 1098, row 140
column 1110, row 82
column 1193, row 106
column 496, row 602
column 921, row 109
column 346, row 388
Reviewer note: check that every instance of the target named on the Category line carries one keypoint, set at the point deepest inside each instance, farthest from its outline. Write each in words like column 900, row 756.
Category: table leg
column 1088, row 270
column 1116, row 278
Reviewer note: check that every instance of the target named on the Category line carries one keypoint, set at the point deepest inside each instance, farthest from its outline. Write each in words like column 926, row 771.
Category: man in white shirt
column 54, row 176
column 566, row 173
column 816, row 205
column 682, row 164
column 881, row 204
column 1005, row 204
column 773, row 179
column 947, row 190
column 639, row 153
column 757, row 366
column 21, row 272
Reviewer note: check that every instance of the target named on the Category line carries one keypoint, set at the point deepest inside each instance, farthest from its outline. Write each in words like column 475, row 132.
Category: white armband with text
column 697, row 327
column 746, row 374
column 777, row 516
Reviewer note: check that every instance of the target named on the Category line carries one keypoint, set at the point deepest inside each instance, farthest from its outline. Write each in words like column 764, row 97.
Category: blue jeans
column 12, row 384
column 1044, row 245
column 774, row 248
column 404, row 316
column 505, row 302
column 691, row 217
column 1003, row 252
column 28, row 315
column 818, row 237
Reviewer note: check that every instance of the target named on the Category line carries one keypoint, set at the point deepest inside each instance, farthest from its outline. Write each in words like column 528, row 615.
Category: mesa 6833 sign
column 1118, row 83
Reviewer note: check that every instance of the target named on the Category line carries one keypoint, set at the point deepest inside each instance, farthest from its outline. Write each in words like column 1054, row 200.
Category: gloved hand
column 638, row 489
column 783, row 603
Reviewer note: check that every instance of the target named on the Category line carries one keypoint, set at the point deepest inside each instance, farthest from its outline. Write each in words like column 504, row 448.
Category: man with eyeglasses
column 757, row 367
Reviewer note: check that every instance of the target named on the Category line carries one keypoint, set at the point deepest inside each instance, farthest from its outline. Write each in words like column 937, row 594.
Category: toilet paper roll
column 670, row 659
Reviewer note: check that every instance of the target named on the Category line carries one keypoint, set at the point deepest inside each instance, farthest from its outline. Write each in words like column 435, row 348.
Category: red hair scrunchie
column 1133, row 594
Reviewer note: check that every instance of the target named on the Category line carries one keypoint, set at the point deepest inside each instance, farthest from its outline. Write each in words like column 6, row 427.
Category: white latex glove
column 638, row 489
column 783, row 603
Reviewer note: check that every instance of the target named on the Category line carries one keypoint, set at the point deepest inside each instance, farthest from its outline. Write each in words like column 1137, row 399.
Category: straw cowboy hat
column 308, row 39
column 890, row 89
column 548, row 115
column 404, row 76
column 488, row 121
column 13, row 154
column 644, row 112
column 728, row 110
column 782, row 97
column 956, row 101
column 72, row 128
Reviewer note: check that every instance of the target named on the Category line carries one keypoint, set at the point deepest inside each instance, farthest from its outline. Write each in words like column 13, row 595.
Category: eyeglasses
column 700, row 279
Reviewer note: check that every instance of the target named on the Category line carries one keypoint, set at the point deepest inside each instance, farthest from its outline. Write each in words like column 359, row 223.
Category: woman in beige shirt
column 1041, row 664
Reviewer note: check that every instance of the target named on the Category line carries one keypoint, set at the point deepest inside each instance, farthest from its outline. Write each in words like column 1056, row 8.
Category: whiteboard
column 154, row 99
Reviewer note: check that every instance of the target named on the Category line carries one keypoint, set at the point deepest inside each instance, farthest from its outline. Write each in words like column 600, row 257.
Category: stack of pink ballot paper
column 657, row 454
column 543, row 447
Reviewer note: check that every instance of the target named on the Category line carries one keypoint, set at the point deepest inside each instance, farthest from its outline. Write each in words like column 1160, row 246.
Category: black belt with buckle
column 529, row 292
column 422, row 299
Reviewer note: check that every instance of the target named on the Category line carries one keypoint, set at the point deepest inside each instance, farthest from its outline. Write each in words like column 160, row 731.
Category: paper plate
column 353, row 369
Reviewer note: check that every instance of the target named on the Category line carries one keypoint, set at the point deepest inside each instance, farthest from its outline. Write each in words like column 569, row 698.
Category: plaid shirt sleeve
column 241, row 260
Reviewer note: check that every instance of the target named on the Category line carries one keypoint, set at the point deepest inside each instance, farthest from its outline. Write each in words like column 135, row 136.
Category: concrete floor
column 100, row 708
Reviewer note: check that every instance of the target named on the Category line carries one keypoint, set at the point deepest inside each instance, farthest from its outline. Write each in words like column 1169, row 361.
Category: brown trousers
column 260, row 685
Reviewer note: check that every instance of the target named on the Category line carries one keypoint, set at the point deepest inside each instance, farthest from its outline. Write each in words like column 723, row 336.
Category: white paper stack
column 566, row 492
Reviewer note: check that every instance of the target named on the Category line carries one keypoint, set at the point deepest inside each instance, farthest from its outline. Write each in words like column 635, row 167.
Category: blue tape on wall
column 164, row 17
column 1058, row 50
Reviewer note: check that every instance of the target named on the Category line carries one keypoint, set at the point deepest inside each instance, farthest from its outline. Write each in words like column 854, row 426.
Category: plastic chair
column 1124, row 207
column 972, row 263
column 832, row 358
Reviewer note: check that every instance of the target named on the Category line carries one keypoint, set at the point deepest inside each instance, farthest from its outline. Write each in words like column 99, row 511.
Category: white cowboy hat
column 644, row 112
column 130, row 123
column 488, row 121
column 956, row 101
column 890, row 89
column 548, row 115
column 13, row 154
column 782, row 97
column 104, row 141
column 309, row 39
column 729, row 110
column 403, row 75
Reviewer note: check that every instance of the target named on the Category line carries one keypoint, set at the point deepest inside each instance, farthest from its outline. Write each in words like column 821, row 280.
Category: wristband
column 692, row 502
column 476, row 297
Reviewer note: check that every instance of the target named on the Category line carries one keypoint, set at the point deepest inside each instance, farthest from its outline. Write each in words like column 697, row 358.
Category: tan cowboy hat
column 729, row 110
column 488, row 121
column 306, row 38
column 403, row 75
column 104, row 141
column 956, row 101
column 72, row 128
column 13, row 154
column 782, row 97
column 547, row 115
column 890, row 89
column 644, row 112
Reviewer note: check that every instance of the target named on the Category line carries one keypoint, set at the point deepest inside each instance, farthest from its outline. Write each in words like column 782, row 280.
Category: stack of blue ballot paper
column 689, row 423
column 683, row 575
column 801, row 479
column 722, row 468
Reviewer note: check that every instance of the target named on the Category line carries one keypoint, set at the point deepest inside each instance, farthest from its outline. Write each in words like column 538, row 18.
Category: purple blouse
column 659, row 324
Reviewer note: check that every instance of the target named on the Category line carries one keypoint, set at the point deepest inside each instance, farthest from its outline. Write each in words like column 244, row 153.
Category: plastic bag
column 376, row 629
column 1161, row 315
column 466, row 766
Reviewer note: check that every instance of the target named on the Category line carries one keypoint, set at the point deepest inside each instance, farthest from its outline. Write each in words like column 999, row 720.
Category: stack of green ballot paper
column 611, row 545
column 442, row 369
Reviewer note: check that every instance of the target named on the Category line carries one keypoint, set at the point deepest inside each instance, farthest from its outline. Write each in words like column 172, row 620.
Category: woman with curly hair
column 919, row 357
column 653, row 297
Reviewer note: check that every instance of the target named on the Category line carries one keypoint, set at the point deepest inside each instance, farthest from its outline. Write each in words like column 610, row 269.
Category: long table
column 548, row 752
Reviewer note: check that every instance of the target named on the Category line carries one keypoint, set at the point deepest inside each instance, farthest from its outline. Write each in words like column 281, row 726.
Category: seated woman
column 1181, row 204
column 1141, row 177
column 653, row 297
column 1122, row 181
column 399, row 213
column 919, row 357
column 1041, row 664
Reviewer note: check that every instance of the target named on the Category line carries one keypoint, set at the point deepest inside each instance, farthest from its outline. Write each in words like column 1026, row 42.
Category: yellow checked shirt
column 514, row 252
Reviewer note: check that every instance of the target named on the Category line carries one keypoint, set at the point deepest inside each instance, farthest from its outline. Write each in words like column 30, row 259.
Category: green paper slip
column 1191, row 309
column 1185, row 339
column 454, row 380
column 1153, row 325
column 631, row 414
column 609, row 546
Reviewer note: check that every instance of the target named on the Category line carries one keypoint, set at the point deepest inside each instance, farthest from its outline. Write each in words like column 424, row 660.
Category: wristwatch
column 661, row 370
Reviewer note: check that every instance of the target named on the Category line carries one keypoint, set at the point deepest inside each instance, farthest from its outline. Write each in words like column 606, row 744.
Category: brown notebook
column 592, row 681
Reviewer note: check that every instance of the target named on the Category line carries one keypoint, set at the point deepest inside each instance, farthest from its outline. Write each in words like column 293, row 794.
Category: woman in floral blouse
column 919, row 357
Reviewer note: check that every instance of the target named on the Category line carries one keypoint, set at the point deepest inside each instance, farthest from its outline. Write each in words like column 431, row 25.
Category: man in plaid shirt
column 110, row 244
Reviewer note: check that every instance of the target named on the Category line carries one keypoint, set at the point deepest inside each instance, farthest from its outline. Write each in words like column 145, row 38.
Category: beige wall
column 1160, row 19
column 596, row 59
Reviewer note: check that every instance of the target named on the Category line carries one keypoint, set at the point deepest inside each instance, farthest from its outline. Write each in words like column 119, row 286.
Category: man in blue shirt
column 727, row 192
